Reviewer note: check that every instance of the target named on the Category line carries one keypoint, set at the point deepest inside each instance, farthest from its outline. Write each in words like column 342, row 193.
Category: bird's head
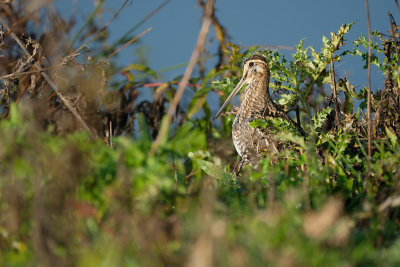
column 254, row 67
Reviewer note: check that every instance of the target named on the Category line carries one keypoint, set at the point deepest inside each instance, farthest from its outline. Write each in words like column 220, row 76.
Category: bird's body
column 250, row 141
column 256, row 103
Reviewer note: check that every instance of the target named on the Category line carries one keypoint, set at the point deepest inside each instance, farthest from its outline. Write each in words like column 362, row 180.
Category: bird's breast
column 254, row 100
column 250, row 141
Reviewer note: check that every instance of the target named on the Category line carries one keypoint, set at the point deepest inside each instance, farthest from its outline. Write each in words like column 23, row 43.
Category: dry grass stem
column 12, row 75
column 111, row 134
column 93, row 37
column 369, row 81
column 129, row 42
column 185, row 79
column 333, row 83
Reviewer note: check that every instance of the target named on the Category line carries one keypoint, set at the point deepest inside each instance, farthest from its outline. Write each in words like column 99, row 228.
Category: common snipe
column 256, row 103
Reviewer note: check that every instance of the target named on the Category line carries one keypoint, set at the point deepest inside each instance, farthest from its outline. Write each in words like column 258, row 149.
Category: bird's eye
column 251, row 64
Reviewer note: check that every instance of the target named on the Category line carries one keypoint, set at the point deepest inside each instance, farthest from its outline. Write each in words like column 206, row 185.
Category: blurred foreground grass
column 70, row 200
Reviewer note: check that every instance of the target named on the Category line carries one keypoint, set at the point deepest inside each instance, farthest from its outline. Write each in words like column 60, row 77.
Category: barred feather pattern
column 256, row 103
column 249, row 141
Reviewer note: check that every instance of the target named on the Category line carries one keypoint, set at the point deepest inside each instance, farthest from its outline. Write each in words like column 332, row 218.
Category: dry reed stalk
column 185, row 79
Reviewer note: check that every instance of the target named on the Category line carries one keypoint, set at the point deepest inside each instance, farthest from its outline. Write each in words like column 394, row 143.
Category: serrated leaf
column 320, row 117
column 287, row 99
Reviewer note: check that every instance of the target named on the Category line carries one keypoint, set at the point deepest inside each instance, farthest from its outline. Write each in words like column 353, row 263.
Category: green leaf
column 320, row 117
column 198, row 101
column 210, row 168
column 140, row 68
column 188, row 138
column 287, row 99
column 392, row 136
column 145, row 137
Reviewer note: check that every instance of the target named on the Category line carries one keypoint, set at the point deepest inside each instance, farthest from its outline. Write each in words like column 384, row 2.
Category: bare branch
column 185, row 79
column 397, row 4
column 129, row 42
column 369, row 97
column 51, row 82
column 12, row 75
column 333, row 83
column 369, row 80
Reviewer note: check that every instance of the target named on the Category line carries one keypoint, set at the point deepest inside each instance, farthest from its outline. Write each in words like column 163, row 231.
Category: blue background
column 252, row 22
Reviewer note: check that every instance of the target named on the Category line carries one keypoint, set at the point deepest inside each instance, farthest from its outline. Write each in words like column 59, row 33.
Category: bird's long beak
column 230, row 97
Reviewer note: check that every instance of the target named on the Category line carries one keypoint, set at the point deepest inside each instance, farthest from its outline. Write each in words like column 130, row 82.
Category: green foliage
column 71, row 200
column 299, row 76
column 320, row 118
column 375, row 47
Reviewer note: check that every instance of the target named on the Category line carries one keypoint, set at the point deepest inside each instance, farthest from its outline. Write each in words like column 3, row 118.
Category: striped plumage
column 256, row 103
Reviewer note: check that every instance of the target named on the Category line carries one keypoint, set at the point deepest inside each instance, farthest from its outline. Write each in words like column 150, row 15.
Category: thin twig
column 369, row 100
column 111, row 135
column 152, row 13
column 129, row 42
column 50, row 81
column 279, row 47
column 102, row 29
column 306, row 183
column 28, row 16
column 90, row 18
column 12, row 75
column 222, row 35
column 397, row 4
column 178, row 83
column 394, row 33
column 335, row 102
column 185, row 79
column 369, row 81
